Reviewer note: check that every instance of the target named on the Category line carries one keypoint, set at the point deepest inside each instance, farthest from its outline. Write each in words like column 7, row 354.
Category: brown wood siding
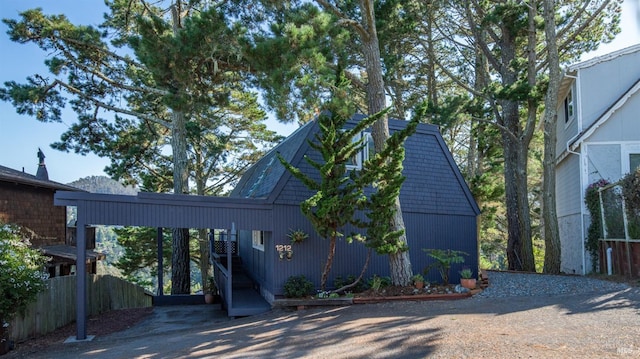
column 32, row 208
column 620, row 256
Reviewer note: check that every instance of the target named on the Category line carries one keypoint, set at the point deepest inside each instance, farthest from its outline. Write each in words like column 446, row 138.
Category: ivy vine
column 595, row 231
column 631, row 192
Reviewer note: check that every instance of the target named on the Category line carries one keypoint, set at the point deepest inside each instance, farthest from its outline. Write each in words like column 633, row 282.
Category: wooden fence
column 56, row 306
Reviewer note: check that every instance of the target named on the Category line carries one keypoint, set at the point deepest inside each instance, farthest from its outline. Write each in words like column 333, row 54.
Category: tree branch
column 479, row 39
column 106, row 106
column 344, row 20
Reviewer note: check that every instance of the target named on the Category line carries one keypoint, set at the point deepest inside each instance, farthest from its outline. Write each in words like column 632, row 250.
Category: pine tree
column 148, row 80
column 340, row 193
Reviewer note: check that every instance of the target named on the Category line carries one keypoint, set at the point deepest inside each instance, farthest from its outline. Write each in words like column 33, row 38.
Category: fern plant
column 444, row 258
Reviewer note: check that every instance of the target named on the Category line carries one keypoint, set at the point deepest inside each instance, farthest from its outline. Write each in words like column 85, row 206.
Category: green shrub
column 297, row 287
column 631, row 192
column 595, row 231
column 340, row 282
column 376, row 283
column 22, row 274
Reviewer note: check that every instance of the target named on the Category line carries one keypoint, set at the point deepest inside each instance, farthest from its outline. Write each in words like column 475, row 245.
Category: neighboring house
column 438, row 209
column 27, row 201
column 598, row 138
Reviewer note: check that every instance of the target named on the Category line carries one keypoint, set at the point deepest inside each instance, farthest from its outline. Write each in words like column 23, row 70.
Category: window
column 634, row 161
column 258, row 240
column 630, row 159
column 569, row 112
column 355, row 163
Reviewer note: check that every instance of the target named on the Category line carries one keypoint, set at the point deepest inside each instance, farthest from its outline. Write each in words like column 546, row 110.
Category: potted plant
column 466, row 279
column 418, row 281
column 297, row 236
column 210, row 291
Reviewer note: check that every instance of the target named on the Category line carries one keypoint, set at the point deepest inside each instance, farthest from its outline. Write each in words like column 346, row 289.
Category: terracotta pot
column 469, row 283
column 208, row 298
column 419, row 285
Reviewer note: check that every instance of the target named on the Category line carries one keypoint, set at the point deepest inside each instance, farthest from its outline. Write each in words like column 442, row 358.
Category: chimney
column 42, row 168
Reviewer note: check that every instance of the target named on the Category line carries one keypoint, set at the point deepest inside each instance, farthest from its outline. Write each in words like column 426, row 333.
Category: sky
column 21, row 136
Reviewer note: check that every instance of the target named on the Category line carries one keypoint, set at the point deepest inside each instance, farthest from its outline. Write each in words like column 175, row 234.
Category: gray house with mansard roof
column 248, row 229
column 438, row 209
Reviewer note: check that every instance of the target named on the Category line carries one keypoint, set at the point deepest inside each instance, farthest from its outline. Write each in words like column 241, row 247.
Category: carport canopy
column 159, row 211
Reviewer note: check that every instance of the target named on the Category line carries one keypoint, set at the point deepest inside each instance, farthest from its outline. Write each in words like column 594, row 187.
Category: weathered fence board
column 56, row 306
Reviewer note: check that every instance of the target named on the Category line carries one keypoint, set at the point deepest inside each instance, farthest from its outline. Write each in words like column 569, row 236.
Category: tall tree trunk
column 203, row 247
column 431, row 60
column 514, row 242
column 180, row 260
column 526, row 247
column 519, row 249
column 552, row 253
column 329, row 263
column 526, row 251
column 399, row 262
column 515, row 146
column 203, row 240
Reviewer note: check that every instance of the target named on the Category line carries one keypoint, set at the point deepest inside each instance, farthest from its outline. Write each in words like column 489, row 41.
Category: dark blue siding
column 171, row 211
column 253, row 259
column 423, row 231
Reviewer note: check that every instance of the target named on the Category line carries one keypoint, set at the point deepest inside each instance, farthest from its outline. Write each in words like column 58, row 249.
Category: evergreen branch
column 106, row 106
column 355, row 80
column 344, row 20
column 110, row 81
column 99, row 49
column 306, row 180
column 484, row 47
column 569, row 38
column 498, row 126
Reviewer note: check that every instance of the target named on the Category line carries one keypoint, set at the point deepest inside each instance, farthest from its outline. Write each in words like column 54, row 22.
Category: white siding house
column 598, row 137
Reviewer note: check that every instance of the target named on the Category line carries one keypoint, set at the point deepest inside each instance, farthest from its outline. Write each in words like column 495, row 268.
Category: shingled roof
column 12, row 176
column 260, row 179
column 439, row 188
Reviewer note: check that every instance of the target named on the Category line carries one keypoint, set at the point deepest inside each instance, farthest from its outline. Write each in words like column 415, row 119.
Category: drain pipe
column 609, row 264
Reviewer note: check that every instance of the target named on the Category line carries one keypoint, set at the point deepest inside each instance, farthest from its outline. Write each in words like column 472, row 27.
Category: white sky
column 20, row 136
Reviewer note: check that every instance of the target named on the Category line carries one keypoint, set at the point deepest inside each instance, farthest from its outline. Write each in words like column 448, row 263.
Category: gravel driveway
column 518, row 316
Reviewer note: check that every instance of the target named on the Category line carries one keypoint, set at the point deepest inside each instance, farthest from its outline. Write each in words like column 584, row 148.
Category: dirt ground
column 106, row 323
column 562, row 326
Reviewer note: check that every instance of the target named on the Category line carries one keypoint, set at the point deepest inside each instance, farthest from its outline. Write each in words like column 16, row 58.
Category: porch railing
column 222, row 250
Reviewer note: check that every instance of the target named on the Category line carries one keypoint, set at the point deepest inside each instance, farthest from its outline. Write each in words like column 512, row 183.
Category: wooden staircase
column 246, row 298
